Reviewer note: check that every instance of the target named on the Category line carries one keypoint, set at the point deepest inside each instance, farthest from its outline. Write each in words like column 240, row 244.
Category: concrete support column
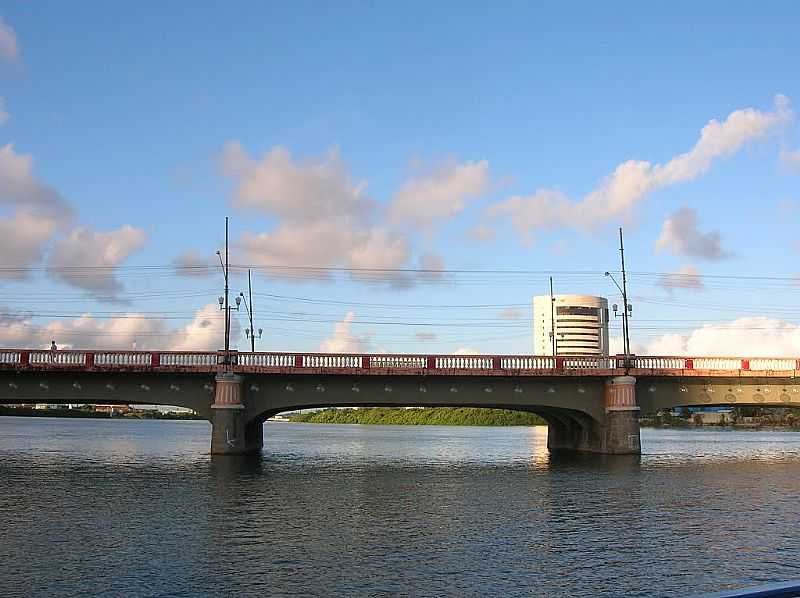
column 230, row 433
column 621, row 429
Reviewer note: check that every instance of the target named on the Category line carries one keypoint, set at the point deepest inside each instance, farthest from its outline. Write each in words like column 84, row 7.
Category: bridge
column 590, row 404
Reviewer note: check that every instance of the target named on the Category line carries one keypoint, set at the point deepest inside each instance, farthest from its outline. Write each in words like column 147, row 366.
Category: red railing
column 335, row 362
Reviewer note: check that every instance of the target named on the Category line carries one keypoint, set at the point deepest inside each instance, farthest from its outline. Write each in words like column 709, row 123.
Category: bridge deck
column 396, row 364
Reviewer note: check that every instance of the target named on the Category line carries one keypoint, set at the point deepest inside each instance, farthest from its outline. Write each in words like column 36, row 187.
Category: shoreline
column 82, row 414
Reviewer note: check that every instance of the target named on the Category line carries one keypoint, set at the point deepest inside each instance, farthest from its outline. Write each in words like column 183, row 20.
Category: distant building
column 581, row 325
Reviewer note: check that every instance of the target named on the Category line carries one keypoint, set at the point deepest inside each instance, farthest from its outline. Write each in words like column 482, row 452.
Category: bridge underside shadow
column 578, row 413
column 575, row 413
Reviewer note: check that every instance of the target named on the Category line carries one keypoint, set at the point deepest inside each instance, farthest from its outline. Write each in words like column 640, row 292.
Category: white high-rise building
column 581, row 325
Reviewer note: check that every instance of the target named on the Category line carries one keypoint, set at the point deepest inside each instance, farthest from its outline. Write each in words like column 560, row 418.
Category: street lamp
column 250, row 332
column 627, row 308
column 223, row 300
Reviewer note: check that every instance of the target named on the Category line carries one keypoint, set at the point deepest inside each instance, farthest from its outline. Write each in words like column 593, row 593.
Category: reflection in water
column 140, row 508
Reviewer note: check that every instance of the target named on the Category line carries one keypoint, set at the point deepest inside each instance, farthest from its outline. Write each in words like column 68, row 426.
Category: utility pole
column 250, row 313
column 627, row 309
column 250, row 332
column 552, row 318
column 626, row 305
column 223, row 301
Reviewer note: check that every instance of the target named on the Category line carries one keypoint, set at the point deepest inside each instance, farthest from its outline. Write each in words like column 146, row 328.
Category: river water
column 138, row 508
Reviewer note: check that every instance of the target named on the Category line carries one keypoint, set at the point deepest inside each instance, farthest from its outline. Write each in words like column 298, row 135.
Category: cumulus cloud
column 325, row 218
column 466, row 351
column 206, row 332
column 4, row 115
column 791, row 159
column 37, row 213
column 344, row 340
column 511, row 313
column 425, row 336
column 680, row 236
column 142, row 331
column 686, row 277
column 9, row 50
column 87, row 259
column 431, row 267
column 192, row 264
column 23, row 239
column 482, row 233
column 617, row 195
column 442, row 193
column 20, row 189
column 751, row 336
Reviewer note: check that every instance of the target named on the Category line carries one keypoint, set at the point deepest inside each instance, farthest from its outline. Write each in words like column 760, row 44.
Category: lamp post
column 553, row 319
column 250, row 332
column 223, row 301
column 627, row 308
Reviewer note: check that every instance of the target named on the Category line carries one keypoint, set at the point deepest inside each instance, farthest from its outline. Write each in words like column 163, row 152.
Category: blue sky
column 362, row 134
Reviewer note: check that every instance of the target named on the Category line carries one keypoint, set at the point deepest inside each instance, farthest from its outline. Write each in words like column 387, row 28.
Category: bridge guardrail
column 533, row 362
column 266, row 360
column 188, row 359
column 398, row 361
column 212, row 360
column 463, row 362
column 331, row 361
column 123, row 358
column 10, row 356
column 57, row 358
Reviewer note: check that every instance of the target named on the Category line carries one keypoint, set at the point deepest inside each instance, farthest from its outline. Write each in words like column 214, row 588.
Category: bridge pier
column 621, row 427
column 231, row 434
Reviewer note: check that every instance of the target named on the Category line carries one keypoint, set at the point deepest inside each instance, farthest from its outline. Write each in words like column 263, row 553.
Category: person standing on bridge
column 53, row 350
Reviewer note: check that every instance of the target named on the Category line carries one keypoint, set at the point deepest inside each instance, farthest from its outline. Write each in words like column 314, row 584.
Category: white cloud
column 680, row 236
column 748, row 337
column 440, row 194
column 9, row 50
column 344, row 340
column 4, row 115
column 296, row 191
column 425, row 336
column 191, row 264
column 38, row 212
column 686, row 277
column 791, row 159
column 511, row 313
column 87, row 259
column 19, row 188
column 325, row 218
column 617, row 196
column 482, row 233
column 23, row 239
column 206, row 332
column 431, row 266
column 466, row 351
column 145, row 332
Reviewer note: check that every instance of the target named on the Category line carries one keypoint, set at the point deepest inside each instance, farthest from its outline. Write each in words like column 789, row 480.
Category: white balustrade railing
column 586, row 363
column 10, row 357
column 398, row 361
column 266, row 360
column 717, row 363
column 123, row 358
column 659, row 363
column 331, row 361
column 188, row 359
column 527, row 363
column 772, row 364
column 58, row 357
column 463, row 362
